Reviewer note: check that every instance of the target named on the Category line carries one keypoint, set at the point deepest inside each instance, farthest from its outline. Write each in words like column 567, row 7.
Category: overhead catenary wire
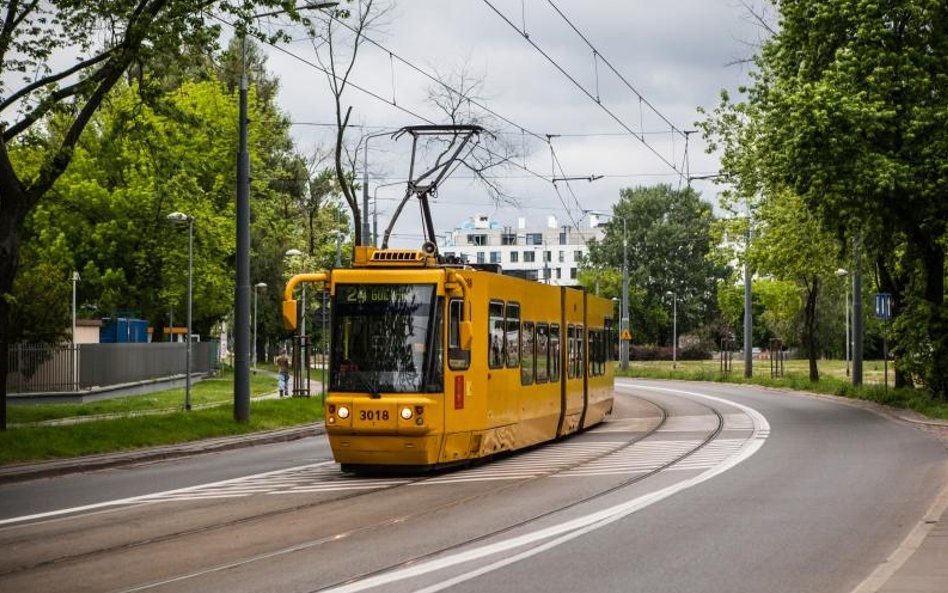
column 393, row 56
column 640, row 137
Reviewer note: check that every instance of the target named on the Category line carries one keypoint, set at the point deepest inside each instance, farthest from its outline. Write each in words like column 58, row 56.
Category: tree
column 669, row 238
column 346, row 27
column 456, row 96
column 106, row 38
column 849, row 103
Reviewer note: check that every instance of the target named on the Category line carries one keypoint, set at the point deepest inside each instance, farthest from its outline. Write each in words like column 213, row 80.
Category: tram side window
column 527, row 354
column 543, row 353
column 554, row 352
column 596, row 354
column 458, row 358
column 570, row 351
column 580, row 350
column 612, row 339
column 513, row 335
column 495, row 337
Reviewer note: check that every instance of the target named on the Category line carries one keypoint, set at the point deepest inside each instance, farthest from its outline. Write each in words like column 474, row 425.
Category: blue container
column 123, row 330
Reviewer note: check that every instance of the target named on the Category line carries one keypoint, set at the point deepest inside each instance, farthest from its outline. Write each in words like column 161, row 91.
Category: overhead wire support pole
column 242, row 290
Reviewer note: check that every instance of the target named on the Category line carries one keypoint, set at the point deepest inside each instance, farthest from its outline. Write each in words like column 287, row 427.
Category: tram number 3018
column 371, row 415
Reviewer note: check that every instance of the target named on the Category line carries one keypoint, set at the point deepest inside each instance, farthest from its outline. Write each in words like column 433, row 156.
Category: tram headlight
column 343, row 412
column 406, row 413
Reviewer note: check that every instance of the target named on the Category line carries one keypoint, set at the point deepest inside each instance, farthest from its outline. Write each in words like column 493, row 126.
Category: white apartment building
column 550, row 254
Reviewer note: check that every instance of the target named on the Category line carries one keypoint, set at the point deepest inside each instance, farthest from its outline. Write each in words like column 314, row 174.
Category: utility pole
column 748, row 311
column 242, row 295
column 857, row 310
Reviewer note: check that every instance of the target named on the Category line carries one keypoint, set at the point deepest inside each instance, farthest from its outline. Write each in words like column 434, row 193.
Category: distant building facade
column 551, row 254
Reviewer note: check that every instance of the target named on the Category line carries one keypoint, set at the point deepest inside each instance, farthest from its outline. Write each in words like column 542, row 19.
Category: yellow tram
column 435, row 364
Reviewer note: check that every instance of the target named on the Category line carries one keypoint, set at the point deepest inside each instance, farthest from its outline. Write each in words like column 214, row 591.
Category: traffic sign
column 626, row 335
column 883, row 306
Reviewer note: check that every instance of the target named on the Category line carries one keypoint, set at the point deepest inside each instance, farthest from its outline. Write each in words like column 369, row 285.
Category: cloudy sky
column 677, row 55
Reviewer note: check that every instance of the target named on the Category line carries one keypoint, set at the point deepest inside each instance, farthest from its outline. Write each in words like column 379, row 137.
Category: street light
column 255, row 287
column 339, row 236
column 365, row 187
column 304, row 344
column 182, row 218
column 298, row 253
column 75, row 348
column 674, row 328
column 843, row 273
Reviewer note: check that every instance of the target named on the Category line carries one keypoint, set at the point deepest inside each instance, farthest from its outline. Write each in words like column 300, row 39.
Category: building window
column 480, row 257
column 477, row 239
column 514, row 257
column 547, row 256
column 495, row 257
column 577, row 256
column 508, row 239
column 559, row 274
column 534, row 238
column 572, row 273
column 562, row 256
column 563, row 238
column 529, row 257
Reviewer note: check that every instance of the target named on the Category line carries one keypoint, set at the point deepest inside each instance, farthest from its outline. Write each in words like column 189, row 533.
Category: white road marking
column 141, row 499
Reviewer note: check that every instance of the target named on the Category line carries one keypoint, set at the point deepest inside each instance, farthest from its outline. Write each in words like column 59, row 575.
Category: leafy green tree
column 791, row 244
column 849, row 103
column 668, row 233
column 107, row 38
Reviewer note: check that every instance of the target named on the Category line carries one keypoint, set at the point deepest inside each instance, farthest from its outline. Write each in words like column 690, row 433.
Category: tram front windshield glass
column 386, row 338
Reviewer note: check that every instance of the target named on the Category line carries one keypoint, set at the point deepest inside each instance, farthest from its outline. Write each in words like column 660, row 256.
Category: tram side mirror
column 467, row 335
column 289, row 314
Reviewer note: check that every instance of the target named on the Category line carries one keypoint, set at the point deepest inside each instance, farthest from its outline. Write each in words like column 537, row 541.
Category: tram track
column 367, row 529
column 550, row 512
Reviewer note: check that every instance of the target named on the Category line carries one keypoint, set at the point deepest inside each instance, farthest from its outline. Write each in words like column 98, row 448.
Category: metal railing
column 42, row 368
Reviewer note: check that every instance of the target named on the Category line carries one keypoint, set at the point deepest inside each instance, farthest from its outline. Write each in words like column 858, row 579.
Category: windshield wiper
column 373, row 391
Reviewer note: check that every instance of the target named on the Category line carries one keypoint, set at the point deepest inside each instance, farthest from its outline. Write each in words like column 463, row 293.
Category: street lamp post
column 181, row 218
column 304, row 344
column 339, row 236
column 255, row 287
column 75, row 348
column 844, row 273
column 365, row 187
column 674, row 297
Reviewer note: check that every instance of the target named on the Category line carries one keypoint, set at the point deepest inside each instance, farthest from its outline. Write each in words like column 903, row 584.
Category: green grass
column 833, row 381
column 50, row 442
column 213, row 391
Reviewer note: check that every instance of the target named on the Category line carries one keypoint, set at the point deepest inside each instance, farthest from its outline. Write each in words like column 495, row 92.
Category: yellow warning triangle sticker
column 626, row 335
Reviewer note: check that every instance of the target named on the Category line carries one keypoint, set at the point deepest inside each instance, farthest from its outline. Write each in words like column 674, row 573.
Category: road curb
column 29, row 471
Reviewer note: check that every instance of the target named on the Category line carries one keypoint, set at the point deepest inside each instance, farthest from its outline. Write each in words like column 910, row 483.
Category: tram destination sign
column 883, row 306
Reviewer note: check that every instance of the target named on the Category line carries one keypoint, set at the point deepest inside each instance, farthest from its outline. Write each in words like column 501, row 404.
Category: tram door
column 458, row 413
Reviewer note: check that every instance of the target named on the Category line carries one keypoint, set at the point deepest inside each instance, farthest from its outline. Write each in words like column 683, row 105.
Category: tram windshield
column 386, row 338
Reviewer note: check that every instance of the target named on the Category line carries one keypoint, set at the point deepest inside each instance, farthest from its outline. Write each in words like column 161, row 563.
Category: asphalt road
column 735, row 489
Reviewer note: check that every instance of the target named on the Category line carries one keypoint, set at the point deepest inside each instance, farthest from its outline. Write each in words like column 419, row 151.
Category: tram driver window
column 458, row 358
